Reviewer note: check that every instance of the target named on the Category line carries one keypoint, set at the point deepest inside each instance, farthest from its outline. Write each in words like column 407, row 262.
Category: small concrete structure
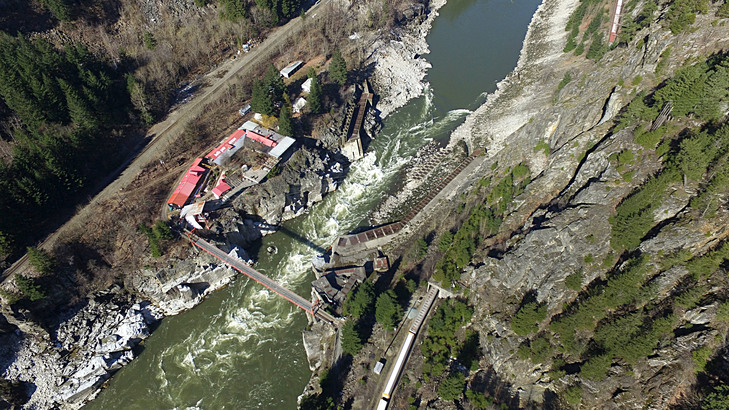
column 291, row 68
column 334, row 286
column 381, row 264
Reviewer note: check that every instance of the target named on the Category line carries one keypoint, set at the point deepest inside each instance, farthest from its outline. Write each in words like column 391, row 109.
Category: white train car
column 405, row 350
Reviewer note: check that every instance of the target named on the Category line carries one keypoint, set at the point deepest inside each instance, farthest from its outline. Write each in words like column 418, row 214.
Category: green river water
column 242, row 347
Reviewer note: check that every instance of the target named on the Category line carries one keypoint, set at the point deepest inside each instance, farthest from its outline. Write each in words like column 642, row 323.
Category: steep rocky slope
column 562, row 116
column 559, row 226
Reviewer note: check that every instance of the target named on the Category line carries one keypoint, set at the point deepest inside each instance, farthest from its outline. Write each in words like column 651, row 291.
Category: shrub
column 154, row 246
column 421, row 248
column 574, row 281
column 700, row 357
column 543, row 146
column 691, row 297
column 149, row 41
column 540, row 350
column 478, row 400
column 573, row 395
column 650, row 139
column 565, row 80
column 722, row 312
column 162, row 230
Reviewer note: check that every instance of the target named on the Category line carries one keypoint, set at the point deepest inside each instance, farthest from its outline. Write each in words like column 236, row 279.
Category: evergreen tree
column 261, row 101
column 275, row 84
column 29, row 287
column 233, row 10
column 285, row 123
column 351, row 341
column 527, row 319
column 717, row 399
column 61, row 9
column 451, row 388
column 7, row 244
column 41, row 260
column 338, row 68
column 315, row 95
column 387, row 310
column 78, row 109
column 359, row 302
column 289, row 8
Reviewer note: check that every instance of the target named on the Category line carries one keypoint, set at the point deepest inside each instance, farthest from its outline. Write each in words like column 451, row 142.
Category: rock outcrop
column 86, row 350
column 305, row 179
column 399, row 68
column 184, row 283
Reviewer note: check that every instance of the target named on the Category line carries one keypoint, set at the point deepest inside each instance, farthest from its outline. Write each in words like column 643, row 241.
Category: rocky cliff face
column 561, row 220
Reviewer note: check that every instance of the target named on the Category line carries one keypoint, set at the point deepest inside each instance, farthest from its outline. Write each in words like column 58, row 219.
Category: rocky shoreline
column 67, row 369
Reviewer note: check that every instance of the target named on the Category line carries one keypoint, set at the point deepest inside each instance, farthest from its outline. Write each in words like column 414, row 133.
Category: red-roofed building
column 260, row 138
column 188, row 185
column 228, row 147
column 221, row 188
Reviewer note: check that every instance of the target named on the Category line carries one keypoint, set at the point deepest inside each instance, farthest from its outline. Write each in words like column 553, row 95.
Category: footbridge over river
column 242, row 267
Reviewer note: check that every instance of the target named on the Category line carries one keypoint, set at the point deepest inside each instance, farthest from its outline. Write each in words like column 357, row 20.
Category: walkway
column 264, row 280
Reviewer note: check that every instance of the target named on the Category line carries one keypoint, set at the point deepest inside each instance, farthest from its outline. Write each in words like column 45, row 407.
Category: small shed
column 299, row 104
column 291, row 68
column 381, row 264
column 306, row 86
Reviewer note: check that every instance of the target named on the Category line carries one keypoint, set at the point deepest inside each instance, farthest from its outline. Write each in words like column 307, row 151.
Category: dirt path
column 162, row 134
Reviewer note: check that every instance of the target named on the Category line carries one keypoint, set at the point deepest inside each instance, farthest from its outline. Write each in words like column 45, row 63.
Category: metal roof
column 187, row 185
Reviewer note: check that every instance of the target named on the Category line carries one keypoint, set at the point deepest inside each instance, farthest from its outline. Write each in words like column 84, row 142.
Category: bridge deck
column 264, row 280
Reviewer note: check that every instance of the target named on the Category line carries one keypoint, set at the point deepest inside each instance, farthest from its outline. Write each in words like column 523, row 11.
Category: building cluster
column 217, row 176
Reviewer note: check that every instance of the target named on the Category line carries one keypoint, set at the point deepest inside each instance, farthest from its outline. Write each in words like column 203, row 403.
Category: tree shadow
column 24, row 17
column 488, row 381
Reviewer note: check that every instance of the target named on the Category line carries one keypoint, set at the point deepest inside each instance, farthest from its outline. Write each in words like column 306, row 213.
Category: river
column 242, row 347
